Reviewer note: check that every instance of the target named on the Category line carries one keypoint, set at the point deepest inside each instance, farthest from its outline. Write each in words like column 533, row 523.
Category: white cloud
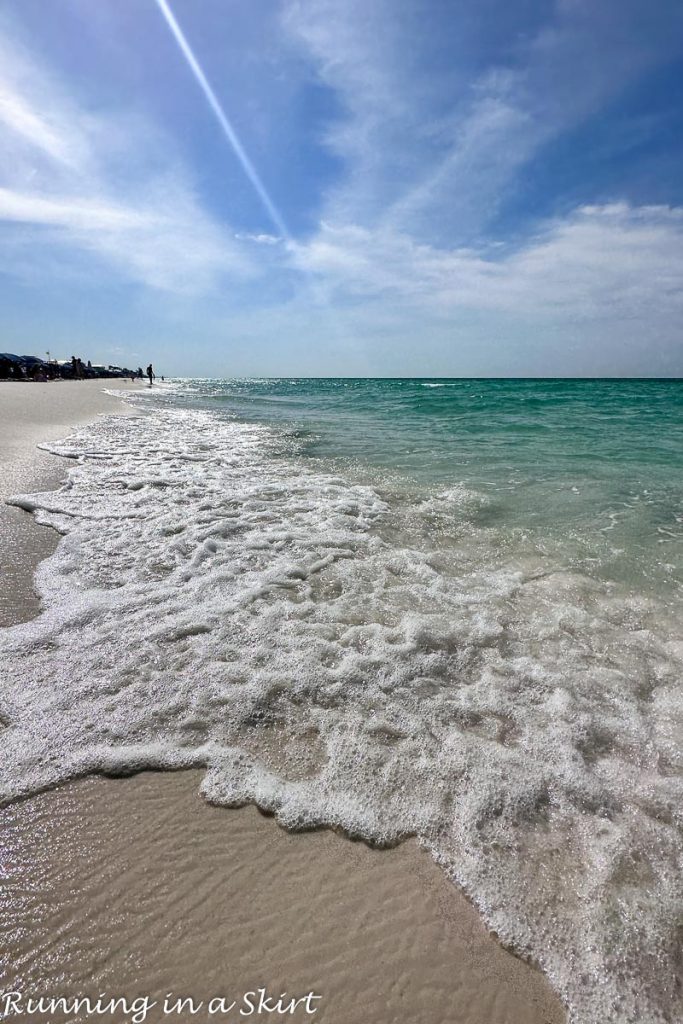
column 261, row 239
column 56, row 181
column 76, row 214
column 594, row 293
column 17, row 116
column 360, row 50
column 603, row 261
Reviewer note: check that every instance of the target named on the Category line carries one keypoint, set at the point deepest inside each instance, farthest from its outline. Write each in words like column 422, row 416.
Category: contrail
column 228, row 130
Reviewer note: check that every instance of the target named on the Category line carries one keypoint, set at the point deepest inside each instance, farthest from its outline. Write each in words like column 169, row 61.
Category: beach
column 341, row 512
column 136, row 886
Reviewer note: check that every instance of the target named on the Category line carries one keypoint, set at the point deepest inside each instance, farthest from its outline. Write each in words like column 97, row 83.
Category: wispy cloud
column 149, row 228
column 260, row 239
column 598, row 290
column 613, row 260
column 31, row 127
column 434, row 144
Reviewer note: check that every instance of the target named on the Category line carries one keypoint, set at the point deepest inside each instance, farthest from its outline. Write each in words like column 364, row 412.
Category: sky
column 344, row 187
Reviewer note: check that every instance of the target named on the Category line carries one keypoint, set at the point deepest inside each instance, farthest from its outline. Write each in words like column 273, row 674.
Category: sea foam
column 346, row 655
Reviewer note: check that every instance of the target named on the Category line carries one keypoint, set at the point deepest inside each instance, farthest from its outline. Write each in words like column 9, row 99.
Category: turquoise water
column 595, row 464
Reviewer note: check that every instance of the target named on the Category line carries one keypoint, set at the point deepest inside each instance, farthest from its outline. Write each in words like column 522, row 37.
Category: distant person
column 162, row 378
column 150, row 374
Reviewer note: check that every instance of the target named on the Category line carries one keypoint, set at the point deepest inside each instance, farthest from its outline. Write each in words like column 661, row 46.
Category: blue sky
column 437, row 187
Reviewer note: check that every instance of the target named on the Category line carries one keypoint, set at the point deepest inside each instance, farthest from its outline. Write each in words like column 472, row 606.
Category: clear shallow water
column 598, row 463
column 395, row 608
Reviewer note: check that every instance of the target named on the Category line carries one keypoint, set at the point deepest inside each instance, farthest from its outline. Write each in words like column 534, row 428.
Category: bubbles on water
column 371, row 659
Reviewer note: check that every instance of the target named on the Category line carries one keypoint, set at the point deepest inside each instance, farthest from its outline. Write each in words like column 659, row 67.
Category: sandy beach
column 135, row 887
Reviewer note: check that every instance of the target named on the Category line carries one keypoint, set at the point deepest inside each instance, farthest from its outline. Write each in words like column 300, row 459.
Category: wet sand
column 30, row 414
column 135, row 887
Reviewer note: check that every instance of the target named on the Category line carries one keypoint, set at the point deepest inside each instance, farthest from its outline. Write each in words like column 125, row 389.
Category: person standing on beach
column 150, row 374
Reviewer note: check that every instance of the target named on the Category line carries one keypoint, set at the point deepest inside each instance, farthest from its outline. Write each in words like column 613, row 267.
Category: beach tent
column 32, row 361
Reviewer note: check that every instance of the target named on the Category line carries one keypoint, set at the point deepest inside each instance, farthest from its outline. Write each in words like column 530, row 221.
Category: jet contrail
column 228, row 130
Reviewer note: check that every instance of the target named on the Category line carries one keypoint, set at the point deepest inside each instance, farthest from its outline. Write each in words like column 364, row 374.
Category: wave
column 352, row 656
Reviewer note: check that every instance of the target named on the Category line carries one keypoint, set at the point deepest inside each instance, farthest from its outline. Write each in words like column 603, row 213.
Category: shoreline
column 178, row 895
column 32, row 413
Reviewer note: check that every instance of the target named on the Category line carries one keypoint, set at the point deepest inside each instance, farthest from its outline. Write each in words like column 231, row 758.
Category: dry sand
column 137, row 887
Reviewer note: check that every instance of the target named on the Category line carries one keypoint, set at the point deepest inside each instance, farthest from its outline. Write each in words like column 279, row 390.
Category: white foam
column 214, row 602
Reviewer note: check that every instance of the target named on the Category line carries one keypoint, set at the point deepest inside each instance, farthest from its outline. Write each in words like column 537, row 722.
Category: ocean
column 449, row 609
